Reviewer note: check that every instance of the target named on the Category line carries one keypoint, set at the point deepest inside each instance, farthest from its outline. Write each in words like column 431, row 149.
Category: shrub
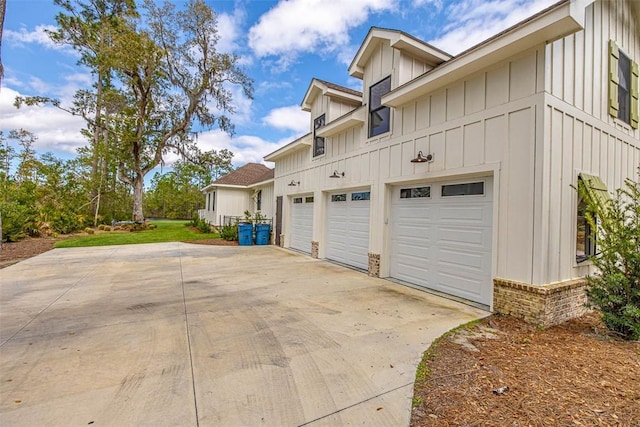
column 615, row 288
column 229, row 232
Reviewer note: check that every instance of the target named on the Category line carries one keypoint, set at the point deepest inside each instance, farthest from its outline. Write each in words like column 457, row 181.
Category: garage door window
column 339, row 197
column 308, row 199
column 363, row 195
column 413, row 193
column 470, row 189
column 297, row 200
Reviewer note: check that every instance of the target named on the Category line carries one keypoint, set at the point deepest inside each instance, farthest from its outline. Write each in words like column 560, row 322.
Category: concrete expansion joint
column 355, row 404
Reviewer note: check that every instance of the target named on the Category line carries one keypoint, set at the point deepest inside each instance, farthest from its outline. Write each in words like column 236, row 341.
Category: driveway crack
column 186, row 321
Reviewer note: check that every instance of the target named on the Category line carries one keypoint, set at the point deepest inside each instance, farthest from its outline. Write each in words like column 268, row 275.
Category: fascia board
column 553, row 25
column 301, row 143
column 349, row 120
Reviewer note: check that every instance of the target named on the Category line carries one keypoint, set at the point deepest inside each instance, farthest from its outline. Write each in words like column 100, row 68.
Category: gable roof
column 245, row 176
column 558, row 20
column 332, row 90
column 399, row 40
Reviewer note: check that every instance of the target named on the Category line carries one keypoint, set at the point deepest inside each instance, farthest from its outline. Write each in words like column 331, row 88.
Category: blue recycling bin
column 245, row 234
column 263, row 231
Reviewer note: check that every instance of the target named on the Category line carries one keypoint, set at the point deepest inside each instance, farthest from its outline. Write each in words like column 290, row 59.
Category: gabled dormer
column 387, row 59
column 384, row 50
column 326, row 102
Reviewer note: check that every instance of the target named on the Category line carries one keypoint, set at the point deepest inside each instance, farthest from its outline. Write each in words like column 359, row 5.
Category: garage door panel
column 465, row 214
column 463, row 237
column 348, row 230
column 463, row 260
column 444, row 243
column 301, row 224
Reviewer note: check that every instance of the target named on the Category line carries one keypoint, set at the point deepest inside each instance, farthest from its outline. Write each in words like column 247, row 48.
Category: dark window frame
column 378, row 111
column 259, row 200
column 318, row 141
column 624, row 87
column 586, row 238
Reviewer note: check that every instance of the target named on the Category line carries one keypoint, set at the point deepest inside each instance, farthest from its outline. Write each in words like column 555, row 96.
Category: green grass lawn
column 166, row 231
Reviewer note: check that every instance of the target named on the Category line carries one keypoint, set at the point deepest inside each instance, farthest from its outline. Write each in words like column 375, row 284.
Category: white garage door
column 348, row 228
column 301, row 223
column 441, row 237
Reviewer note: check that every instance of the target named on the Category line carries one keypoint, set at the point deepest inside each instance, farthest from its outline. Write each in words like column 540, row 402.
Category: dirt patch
column 14, row 252
column 215, row 242
column 504, row 372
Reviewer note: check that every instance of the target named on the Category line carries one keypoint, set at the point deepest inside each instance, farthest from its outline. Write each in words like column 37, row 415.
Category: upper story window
column 259, row 201
column 318, row 141
column 623, row 86
column 379, row 115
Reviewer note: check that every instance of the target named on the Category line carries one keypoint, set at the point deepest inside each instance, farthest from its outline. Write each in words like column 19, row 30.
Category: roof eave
column 558, row 21
column 351, row 119
column 300, row 143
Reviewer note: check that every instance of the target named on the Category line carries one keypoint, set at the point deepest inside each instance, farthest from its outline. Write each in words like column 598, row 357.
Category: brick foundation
column 543, row 305
column 374, row 265
column 315, row 247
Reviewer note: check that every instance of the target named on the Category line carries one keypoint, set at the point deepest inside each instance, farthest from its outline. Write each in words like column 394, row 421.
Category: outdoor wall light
column 421, row 158
column 293, row 183
column 336, row 174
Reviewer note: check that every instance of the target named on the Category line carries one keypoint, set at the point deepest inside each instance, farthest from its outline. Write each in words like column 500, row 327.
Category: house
column 456, row 174
column 248, row 188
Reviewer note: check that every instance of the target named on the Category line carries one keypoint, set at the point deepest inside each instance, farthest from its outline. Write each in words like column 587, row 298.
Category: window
column 595, row 190
column 623, row 86
column 339, row 197
column 259, row 200
column 470, row 189
column 363, row 195
column 412, row 193
column 379, row 115
column 585, row 238
column 297, row 200
column 318, row 141
column 308, row 199
column 211, row 202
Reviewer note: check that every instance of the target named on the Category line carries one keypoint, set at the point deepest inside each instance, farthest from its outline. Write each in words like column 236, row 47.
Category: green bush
column 615, row 288
column 229, row 232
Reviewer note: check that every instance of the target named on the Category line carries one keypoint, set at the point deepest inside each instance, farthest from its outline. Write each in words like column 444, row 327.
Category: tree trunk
column 138, row 190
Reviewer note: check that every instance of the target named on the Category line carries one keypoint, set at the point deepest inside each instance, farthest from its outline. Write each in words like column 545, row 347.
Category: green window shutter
column 595, row 189
column 613, row 78
column 634, row 94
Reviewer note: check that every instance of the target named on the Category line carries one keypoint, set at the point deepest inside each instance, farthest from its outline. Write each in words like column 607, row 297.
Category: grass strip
column 166, row 231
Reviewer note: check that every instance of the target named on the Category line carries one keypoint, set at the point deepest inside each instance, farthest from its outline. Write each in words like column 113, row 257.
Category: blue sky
column 282, row 46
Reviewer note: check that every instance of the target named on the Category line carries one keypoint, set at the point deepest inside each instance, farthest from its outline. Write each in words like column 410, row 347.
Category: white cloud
column 38, row 36
column 246, row 148
column 230, row 30
column 298, row 26
column 289, row 118
column 473, row 21
column 56, row 130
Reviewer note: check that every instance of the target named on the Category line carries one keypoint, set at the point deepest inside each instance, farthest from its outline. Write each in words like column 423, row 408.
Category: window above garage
column 379, row 115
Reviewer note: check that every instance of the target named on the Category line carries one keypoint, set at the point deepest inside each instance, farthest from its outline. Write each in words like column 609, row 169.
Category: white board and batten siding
column 580, row 134
column 301, row 222
column 441, row 237
column 348, row 228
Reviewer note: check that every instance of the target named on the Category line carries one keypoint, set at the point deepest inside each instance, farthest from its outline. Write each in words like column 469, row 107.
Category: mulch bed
column 504, row 372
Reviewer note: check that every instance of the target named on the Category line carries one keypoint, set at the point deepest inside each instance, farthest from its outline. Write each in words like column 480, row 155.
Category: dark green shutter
column 613, row 78
column 634, row 94
column 595, row 189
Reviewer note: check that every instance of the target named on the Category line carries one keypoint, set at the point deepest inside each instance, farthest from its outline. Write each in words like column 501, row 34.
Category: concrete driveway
column 178, row 334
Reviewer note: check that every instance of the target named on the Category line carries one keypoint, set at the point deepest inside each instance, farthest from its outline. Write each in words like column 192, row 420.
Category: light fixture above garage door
column 336, row 174
column 421, row 158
